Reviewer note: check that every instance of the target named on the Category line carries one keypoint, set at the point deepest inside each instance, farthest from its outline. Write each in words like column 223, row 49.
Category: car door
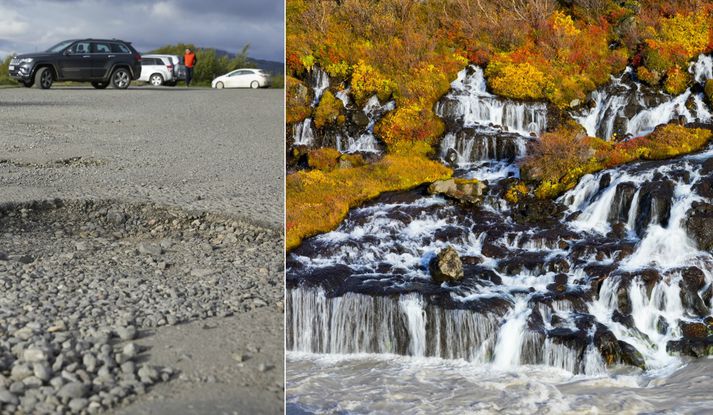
column 102, row 59
column 76, row 62
column 238, row 79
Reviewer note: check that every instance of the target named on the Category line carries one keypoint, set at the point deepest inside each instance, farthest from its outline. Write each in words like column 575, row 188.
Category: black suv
column 98, row 61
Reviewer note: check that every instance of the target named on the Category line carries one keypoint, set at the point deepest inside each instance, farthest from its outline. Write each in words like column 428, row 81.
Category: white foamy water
column 634, row 110
column 470, row 102
column 534, row 327
column 303, row 134
column 387, row 384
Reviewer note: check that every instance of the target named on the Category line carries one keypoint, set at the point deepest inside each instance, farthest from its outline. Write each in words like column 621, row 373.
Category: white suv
column 162, row 70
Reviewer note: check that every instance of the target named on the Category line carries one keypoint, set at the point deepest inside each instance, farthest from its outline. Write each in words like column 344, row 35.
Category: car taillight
column 170, row 67
column 137, row 57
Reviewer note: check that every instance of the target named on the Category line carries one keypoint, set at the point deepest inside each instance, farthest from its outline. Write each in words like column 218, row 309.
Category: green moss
column 328, row 111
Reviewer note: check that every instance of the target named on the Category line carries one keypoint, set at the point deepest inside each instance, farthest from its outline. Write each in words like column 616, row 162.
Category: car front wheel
column 156, row 79
column 100, row 85
column 44, row 78
column 219, row 85
column 120, row 78
column 254, row 85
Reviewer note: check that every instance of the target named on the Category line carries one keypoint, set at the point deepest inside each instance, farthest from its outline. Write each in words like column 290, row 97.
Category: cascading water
column 470, row 104
column 320, row 82
column 303, row 135
column 356, row 137
column 619, row 279
column 486, row 133
column 364, row 141
column 627, row 108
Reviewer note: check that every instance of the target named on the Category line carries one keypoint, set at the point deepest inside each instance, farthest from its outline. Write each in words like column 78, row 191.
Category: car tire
column 156, row 79
column 44, row 78
column 120, row 78
column 100, row 85
column 254, row 85
column 219, row 85
column 28, row 84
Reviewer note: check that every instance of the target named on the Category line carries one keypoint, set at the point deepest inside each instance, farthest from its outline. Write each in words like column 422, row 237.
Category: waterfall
column 320, row 83
column 470, row 104
column 702, row 69
column 511, row 336
column 607, row 282
column 303, row 134
column 628, row 108
column 356, row 323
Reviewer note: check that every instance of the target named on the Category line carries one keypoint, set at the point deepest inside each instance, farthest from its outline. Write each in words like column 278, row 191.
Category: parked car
column 99, row 61
column 242, row 78
column 174, row 66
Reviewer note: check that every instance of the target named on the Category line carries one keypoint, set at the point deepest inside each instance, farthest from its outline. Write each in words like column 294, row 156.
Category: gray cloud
column 30, row 25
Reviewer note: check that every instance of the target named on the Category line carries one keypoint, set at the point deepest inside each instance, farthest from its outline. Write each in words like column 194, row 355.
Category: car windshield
column 60, row 46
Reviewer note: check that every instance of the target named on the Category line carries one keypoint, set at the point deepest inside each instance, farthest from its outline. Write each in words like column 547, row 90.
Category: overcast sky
column 35, row 25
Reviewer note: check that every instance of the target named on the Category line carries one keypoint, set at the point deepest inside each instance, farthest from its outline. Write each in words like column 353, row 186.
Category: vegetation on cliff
column 559, row 159
column 319, row 199
column 409, row 51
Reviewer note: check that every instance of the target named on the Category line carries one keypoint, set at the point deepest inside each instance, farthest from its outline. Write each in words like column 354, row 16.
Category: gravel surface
column 140, row 270
column 216, row 150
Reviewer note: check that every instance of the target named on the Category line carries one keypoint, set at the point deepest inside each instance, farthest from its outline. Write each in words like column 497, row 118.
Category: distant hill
column 273, row 67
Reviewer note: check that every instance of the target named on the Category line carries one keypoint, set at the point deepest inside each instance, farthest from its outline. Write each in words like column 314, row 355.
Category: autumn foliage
column 559, row 159
column 318, row 200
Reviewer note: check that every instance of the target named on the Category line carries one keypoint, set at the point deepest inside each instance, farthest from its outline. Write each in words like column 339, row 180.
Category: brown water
column 388, row 384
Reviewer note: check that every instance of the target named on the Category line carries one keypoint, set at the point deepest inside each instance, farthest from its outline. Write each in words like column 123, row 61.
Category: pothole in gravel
column 80, row 280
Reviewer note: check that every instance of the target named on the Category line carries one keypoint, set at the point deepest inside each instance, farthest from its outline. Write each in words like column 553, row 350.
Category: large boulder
column 700, row 225
column 446, row 266
column 466, row 191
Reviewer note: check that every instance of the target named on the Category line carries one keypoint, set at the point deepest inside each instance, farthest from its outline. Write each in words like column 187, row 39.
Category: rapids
column 600, row 293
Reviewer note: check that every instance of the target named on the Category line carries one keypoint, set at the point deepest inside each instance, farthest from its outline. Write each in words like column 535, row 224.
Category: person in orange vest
column 189, row 60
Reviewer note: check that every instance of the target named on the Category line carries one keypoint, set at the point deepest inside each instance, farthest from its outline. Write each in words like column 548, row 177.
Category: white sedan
column 242, row 78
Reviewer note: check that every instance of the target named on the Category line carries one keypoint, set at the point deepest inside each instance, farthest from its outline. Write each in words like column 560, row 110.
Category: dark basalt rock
column 700, row 225
column 533, row 211
column 618, row 231
column 654, row 204
column 704, row 187
column 693, row 280
column 631, row 356
column 525, row 260
column 661, row 325
column 699, row 347
column 626, row 320
column 559, row 264
column 693, row 330
column 621, row 204
column 491, row 250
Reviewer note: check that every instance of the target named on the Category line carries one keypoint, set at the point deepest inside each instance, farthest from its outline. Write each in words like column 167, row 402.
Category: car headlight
column 25, row 60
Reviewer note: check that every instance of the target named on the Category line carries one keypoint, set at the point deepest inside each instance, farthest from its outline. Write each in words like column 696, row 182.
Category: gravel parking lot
column 216, row 150
column 141, row 255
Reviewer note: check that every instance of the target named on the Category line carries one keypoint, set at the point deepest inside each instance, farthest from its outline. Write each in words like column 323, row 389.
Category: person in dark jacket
column 189, row 60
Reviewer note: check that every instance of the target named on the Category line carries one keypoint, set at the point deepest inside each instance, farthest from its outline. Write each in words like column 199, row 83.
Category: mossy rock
column 708, row 90
column 324, row 159
column 328, row 111
column 299, row 100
